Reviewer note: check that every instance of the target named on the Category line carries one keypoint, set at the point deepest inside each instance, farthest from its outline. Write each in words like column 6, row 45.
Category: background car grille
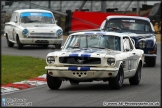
column 42, row 35
column 79, row 60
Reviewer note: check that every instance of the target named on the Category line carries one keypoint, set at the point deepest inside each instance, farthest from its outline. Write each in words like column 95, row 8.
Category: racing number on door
column 129, row 63
column 13, row 33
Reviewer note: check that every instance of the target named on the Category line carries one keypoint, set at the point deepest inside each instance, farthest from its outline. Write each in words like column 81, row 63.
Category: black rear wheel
column 10, row 44
column 135, row 80
column 151, row 61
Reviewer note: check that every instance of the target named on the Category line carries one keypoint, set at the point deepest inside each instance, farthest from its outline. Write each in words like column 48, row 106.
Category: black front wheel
column 117, row 82
column 19, row 45
column 53, row 82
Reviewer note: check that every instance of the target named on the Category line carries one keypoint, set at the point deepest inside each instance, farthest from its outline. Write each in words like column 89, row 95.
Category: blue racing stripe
column 73, row 68
column 85, row 68
column 85, row 55
column 73, row 55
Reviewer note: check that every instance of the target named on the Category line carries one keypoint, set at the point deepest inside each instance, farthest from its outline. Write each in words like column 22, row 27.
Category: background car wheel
column 135, row 80
column 10, row 44
column 117, row 82
column 74, row 82
column 151, row 61
column 45, row 46
column 53, row 82
column 19, row 45
column 57, row 46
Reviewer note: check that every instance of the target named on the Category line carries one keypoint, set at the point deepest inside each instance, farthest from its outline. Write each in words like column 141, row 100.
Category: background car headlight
column 50, row 60
column 111, row 61
column 142, row 44
column 25, row 32
column 59, row 32
column 149, row 44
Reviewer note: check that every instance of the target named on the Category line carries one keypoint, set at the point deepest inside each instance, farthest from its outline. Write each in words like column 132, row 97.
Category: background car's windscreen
column 128, row 24
column 36, row 17
column 94, row 41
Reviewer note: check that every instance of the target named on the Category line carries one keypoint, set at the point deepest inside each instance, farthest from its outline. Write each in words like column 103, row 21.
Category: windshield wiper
column 113, row 28
column 73, row 46
column 98, row 47
column 34, row 21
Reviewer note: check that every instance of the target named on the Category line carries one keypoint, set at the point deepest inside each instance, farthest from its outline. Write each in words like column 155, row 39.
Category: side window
column 127, row 46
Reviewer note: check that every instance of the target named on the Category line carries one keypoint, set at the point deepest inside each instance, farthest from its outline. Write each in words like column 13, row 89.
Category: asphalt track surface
column 87, row 93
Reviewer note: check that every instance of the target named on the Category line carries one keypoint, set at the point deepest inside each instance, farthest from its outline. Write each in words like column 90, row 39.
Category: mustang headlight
column 111, row 61
column 142, row 44
column 50, row 60
column 59, row 32
column 25, row 32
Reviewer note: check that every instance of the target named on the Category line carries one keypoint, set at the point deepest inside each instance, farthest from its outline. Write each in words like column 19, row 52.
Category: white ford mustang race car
column 95, row 56
column 33, row 27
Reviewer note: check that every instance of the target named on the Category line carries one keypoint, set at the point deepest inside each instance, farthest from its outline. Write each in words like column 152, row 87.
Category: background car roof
column 120, row 16
column 32, row 10
column 100, row 33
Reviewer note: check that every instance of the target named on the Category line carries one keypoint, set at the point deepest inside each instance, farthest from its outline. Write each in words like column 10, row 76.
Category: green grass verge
column 19, row 68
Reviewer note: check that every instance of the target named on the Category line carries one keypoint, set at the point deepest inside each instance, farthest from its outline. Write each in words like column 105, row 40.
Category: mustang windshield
column 94, row 41
column 36, row 17
column 128, row 25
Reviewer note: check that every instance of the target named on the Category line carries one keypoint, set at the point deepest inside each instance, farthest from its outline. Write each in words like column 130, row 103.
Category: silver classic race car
column 33, row 27
column 95, row 56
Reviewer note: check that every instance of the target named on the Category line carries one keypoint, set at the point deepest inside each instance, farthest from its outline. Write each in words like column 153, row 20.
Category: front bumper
column 150, row 55
column 41, row 41
column 93, row 72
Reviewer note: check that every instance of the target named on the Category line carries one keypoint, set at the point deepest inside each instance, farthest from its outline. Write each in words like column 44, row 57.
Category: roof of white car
column 31, row 10
column 121, row 16
column 100, row 33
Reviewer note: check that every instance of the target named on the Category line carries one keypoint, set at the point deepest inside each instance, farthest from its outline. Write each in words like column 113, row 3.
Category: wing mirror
column 61, row 47
column 127, row 50
column 56, row 21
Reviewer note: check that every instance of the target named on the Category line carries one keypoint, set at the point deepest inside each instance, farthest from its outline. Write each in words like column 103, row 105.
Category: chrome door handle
column 133, row 53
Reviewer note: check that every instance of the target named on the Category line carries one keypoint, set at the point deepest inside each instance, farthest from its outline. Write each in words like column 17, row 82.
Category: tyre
column 74, row 82
column 117, row 82
column 53, row 82
column 151, row 61
column 10, row 44
column 57, row 46
column 19, row 45
column 135, row 80
column 45, row 46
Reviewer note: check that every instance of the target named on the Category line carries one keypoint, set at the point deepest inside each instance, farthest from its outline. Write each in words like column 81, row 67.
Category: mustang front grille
column 79, row 60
